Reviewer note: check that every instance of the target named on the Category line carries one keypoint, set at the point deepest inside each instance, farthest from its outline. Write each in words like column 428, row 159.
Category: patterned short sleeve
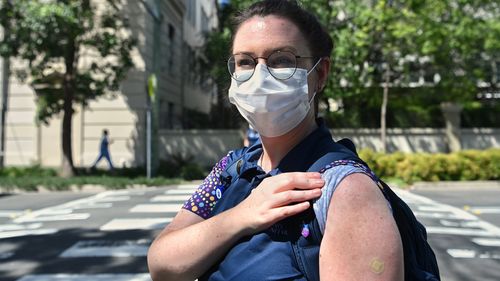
column 204, row 198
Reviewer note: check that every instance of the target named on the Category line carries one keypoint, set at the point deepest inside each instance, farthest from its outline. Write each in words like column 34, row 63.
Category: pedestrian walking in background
column 104, row 150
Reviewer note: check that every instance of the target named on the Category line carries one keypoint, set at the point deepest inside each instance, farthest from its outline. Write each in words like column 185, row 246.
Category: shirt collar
column 301, row 157
column 310, row 149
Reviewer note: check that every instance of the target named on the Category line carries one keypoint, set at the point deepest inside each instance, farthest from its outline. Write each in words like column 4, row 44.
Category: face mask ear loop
column 316, row 64
column 312, row 99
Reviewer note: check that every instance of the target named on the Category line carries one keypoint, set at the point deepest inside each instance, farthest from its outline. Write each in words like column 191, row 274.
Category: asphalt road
column 105, row 236
column 464, row 230
column 83, row 236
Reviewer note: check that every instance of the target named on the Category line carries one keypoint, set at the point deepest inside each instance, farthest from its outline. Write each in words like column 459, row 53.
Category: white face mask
column 273, row 107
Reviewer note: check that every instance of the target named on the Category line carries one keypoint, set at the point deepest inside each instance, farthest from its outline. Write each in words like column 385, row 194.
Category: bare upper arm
column 361, row 239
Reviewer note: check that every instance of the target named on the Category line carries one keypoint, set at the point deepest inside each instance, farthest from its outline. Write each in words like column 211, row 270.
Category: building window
column 166, row 115
column 168, row 63
column 191, row 12
column 205, row 26
column 171, row 38
column 171, row 114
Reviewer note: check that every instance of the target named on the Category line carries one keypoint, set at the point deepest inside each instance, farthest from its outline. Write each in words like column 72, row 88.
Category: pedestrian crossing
column 441, row 219
column 154, row 212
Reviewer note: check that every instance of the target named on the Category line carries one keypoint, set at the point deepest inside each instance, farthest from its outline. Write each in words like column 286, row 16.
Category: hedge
column 459, row 166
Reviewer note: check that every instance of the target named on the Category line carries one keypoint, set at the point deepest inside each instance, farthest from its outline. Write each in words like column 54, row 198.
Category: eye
column 244, row 61
column 281, row 60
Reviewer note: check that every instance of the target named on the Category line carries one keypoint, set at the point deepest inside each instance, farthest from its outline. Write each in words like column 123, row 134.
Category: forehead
column 259, row 35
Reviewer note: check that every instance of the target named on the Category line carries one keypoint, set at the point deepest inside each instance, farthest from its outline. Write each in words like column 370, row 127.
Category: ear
column 323, row 70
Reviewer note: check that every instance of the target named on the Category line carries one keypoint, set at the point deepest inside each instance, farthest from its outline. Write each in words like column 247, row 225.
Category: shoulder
column 354, row 184
column 335, row 174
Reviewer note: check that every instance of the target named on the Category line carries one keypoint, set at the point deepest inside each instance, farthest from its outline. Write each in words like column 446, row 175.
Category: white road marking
column 487, row 242
column 64, row 211
column 10, row 214
column 10, row 227
column 413, row 198
column 466, row 224
column 489, row 256
column 142, row 223
column 458, row 222
column 440, row 216
column 45, row 218
column 132, row 192
column 96, row 205
column 108, row 248
column 113, row 198
column 170, row 198
column 47, row 214
column 18, row 233
column 461, row 253
column 432, row 208
column 470, row 254
column 459, row 231
column 186, row 192
column 87, row 277
column 189, row 186
column 156, row 208
column 485, row 210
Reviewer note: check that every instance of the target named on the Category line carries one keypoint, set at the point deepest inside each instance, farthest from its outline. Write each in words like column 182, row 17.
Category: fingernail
column 319, row 181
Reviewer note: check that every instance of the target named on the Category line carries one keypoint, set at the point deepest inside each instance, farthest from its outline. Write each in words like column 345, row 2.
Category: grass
column 33, row 183
column 35, row 177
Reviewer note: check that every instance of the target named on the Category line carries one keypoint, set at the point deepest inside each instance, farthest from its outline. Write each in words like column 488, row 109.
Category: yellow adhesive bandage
column 377, row 266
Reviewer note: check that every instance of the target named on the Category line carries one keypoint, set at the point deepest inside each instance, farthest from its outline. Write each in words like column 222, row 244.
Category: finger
column 288, row 211
column 294, row 196
column 297, row 181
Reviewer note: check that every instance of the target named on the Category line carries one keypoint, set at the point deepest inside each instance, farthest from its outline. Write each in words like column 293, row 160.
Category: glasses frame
column 255, row 60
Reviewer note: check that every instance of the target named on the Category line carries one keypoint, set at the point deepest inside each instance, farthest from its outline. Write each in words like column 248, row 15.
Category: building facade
column 169, row 33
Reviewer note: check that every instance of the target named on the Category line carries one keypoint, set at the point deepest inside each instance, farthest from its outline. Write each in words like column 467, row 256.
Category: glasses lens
column 241, row 67
column 282, row 65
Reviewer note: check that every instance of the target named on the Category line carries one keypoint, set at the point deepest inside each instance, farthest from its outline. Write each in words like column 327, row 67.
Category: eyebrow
column 270, row 51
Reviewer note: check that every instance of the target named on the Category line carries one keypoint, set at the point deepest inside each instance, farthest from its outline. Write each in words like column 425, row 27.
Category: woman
column 279, row 63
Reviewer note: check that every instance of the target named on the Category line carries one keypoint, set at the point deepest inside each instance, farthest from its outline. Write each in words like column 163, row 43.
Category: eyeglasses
column 242, row 66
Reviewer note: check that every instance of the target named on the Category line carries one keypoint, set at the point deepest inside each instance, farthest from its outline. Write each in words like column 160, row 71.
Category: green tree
column 371, row 46
column 461, row 37
column 76, row 52
column 458, row 39
column 383, row 44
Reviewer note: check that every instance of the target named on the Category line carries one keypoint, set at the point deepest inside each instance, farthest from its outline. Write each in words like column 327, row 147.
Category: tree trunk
column 383, row 111
column 67, row 167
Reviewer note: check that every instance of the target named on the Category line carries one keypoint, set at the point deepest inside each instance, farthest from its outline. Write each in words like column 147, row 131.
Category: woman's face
column 261, row 36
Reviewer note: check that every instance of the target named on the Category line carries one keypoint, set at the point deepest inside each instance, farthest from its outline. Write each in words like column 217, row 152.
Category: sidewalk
column 458, row 185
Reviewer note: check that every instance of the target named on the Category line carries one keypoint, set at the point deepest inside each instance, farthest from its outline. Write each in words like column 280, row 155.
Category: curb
column 456, row 185
column 87, row 188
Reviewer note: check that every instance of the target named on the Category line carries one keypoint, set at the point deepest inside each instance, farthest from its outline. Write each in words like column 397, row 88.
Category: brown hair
column 319, row 41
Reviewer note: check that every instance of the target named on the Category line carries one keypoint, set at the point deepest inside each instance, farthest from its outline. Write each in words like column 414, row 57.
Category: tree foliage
column 75, row 51
column 59, row 37
column 442, row 46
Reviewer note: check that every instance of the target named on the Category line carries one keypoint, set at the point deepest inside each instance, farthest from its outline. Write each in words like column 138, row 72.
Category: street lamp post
column 152, row 6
